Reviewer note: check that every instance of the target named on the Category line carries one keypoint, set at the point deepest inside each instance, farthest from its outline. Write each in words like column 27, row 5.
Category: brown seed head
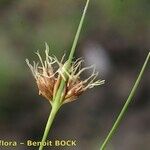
column 48, row 80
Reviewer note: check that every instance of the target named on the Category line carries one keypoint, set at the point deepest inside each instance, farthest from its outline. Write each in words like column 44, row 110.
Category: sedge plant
column 62, row 85
column 126, row 105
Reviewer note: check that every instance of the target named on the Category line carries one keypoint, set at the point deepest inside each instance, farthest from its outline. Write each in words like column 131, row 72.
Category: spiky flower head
column 48, row 79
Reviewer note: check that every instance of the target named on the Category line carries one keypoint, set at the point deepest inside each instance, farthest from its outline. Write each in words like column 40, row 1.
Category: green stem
column 57, row 101
column 78, row 32
column 48, row 125
column 125, row 107
column 63, row 83
column 55, row 107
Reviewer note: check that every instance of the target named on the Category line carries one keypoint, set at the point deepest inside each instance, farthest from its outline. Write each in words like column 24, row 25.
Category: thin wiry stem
column 78, row 32
column 58, row 98
column 48, row 126
column 126, row 105
column 63, row 82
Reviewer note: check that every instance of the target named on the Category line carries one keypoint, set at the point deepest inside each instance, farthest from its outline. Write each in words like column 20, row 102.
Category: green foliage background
column 122, row 27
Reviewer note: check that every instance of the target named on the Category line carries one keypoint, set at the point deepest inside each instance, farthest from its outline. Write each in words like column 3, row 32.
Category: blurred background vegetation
column 115, row 37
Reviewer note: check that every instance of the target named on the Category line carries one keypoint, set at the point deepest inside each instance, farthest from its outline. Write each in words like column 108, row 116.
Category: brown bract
column 48, row 79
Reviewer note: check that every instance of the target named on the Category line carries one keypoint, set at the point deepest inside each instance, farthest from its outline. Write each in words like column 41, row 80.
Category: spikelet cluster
column 48, row 79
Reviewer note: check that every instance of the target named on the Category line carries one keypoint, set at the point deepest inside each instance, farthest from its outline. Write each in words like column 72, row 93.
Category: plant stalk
column 78, row 32
column 57, row 101
column 126, row 105
column 62, row 84
column 48, row 125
